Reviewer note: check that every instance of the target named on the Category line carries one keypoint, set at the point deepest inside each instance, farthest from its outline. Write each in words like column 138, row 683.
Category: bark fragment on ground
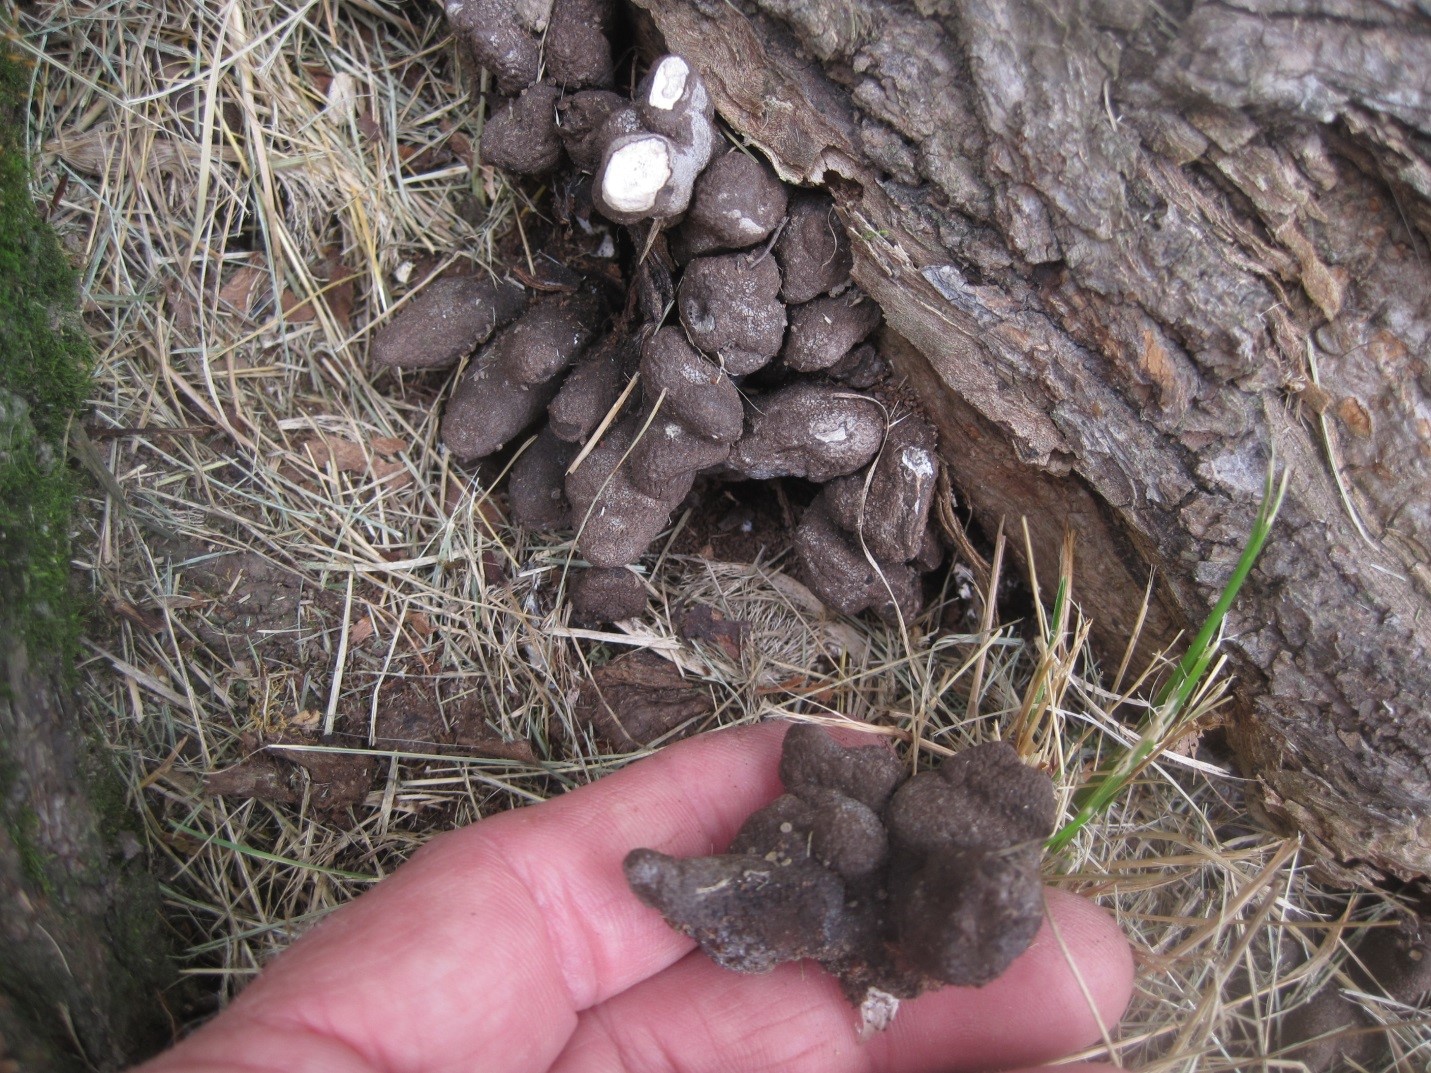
column 1122, row 251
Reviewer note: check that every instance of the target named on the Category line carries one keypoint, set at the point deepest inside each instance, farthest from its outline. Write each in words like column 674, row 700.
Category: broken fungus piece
column 672, row 100
column 853, row 867
column 748, row 913
column 446, row 320
column 650, row 163
column 811, row 759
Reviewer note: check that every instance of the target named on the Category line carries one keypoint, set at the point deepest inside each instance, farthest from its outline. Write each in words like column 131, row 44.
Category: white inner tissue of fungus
column 700, row 320
column 668, row 83
column 838, row 432
column 635, row 174
column 917, row 461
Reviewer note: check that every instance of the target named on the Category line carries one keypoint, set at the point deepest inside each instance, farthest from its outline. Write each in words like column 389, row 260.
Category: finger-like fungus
column 811, row 430
column 649, row 169
column 738, row 201
column 599, row 596
column 502, row 36
column 813, row 250
column 576, row 49
column 614, row 519
column 513, row 379
column 891, row 508
column 446, row 320
column 536, row 490
column 824, row 330
column 521, row 134
column 843, row 576
column 894, row 885
column 731, row 309
column 755, row 272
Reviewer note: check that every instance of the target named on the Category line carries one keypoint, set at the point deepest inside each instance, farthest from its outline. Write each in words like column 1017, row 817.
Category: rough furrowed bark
column 1129, row 252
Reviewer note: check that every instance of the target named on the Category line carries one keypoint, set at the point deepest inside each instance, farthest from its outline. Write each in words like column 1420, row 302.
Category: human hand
column 515, row 945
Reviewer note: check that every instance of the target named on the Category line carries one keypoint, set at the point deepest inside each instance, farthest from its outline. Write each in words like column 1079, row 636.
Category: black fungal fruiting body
column 745, row 326
column 895, row 885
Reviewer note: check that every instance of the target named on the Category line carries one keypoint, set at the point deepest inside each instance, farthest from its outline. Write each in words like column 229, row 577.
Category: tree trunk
column 82, row 959
column 82, row 952
column 1129, row 252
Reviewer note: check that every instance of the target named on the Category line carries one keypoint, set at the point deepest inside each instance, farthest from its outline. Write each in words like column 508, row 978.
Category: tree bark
column 82, row 953
column 82, row 939
column 1128, row 252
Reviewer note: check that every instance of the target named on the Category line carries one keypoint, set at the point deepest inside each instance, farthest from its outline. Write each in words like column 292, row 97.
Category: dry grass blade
column 249, row 188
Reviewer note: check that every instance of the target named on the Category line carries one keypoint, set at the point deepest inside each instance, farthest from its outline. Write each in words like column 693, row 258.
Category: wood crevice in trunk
column 1127, row 253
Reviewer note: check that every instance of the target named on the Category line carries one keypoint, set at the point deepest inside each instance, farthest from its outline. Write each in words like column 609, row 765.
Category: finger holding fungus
column 892, row 901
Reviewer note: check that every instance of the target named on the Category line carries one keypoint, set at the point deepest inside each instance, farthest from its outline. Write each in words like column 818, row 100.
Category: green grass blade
column 1163, row 721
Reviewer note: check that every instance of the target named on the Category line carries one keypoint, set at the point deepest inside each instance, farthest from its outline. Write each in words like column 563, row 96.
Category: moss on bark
column 44, row 379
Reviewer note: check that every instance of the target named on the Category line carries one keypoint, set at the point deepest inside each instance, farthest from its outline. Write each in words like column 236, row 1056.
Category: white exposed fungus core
column 877, row 1012
column 917, row 461
column 635, row 174
column 669, row 83
column 826, row 432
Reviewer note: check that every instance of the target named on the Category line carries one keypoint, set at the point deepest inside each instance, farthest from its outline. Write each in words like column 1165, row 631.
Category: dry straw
column 250, row 188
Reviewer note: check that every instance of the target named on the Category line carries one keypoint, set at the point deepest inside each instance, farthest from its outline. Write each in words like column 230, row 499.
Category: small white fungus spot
column 786, row 827
column 917, row 461
column 744, row 224
column 669, row 83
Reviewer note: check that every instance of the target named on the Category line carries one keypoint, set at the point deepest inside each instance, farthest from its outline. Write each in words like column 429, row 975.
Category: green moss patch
column 44, row 379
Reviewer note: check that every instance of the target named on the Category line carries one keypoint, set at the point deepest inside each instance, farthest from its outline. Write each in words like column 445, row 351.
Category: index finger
column 497, row 935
